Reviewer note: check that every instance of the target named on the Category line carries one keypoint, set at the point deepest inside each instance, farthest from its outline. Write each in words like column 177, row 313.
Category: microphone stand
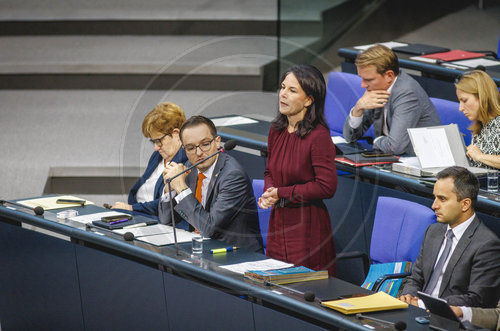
column 169, row 180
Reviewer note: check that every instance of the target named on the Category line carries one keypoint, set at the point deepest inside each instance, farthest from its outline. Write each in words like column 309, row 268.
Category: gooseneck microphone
column 37, row 210
column 400, row 325
column 229, row 145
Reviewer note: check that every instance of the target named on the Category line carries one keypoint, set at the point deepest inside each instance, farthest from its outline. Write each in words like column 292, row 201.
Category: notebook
column 440, row 147
column 420, row 49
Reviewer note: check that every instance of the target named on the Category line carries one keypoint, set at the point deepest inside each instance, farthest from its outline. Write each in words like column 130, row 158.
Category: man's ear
column 389, row 76
column 466, row 204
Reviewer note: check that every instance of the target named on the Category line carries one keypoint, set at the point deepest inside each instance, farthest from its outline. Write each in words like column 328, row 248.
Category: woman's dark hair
column 312, row 82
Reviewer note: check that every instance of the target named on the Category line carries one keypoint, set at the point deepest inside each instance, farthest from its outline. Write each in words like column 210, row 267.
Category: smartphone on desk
column 114, row 218
column 375, row 154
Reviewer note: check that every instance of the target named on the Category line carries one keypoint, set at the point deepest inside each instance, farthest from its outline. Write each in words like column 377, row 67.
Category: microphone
column 229, row 145
column 308, row 295
column 400, row 325
column 38, row 210
column 128, row 236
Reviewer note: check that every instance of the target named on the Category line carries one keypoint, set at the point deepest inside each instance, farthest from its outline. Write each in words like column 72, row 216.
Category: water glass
column 492, row 180
column 197, row 248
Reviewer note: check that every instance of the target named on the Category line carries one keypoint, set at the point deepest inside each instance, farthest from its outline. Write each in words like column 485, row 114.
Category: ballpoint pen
column 119, row 221
column 223, row 250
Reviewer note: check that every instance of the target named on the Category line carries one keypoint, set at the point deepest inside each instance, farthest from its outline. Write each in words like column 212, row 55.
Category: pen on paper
column 119, row 221
column 223, row 250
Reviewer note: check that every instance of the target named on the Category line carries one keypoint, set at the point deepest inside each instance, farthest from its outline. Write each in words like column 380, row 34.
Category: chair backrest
column 264, row 214
column 448, row 113
column 398, row 230
column 342, row 93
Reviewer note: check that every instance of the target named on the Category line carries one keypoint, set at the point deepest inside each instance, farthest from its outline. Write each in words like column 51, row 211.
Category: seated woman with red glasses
column 161, row 126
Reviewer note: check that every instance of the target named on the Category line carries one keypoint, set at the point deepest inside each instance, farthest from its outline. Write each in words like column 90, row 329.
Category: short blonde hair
column 164, row 118
column 380, row 56
column 480, row 84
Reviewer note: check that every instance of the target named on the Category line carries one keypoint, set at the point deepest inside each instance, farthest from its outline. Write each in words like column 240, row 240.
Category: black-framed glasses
column 158, row 141
column 204, row 146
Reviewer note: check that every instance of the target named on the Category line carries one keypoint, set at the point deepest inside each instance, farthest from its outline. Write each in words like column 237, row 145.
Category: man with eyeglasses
column 216, row 197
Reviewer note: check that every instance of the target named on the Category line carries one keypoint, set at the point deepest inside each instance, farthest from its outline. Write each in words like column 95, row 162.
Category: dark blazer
column 487, row 318
column 151, row 207
column 230, row 212
column 408, row 107
column 472, row 276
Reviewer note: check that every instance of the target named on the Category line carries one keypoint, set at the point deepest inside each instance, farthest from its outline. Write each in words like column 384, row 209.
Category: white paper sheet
column 338, row 140
column 267, row 264
column 89, row 218
column 168, row 238
column 423, row 59
column 233, row 120
column 432, row 147
column 472, row 63
column 149, row 230
column 390, row 44
column 49, row 203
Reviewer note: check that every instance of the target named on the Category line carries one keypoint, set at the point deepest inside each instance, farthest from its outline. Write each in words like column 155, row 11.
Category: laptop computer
column 442, row 317
column 440, row 147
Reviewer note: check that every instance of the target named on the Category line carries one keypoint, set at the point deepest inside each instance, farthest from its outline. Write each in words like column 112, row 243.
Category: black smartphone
column 375, row 154
column 114, row 218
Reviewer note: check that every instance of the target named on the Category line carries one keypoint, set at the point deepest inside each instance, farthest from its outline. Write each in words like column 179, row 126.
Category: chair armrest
column 356, row 255
column 382, row 279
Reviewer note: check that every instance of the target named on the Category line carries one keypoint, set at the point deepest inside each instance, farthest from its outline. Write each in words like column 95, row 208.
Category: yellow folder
column 372, row 302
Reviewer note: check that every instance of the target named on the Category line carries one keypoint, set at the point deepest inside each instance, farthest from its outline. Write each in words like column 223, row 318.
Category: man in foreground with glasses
column 217, row 198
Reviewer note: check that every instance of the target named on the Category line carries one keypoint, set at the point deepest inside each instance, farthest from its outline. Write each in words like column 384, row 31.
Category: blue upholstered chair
column 398, row 230
column 342, row 92
column 448, row 113
column 264, row 214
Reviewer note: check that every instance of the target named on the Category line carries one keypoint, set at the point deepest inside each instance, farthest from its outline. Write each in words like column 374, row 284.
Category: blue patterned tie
column 438, row 269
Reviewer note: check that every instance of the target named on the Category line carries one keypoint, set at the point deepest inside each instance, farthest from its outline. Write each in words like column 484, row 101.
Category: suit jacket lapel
column 457, row 253
column 221, row 160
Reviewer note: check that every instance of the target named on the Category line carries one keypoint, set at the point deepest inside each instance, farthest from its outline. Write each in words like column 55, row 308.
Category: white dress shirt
column 146, row 192
column 355, row 122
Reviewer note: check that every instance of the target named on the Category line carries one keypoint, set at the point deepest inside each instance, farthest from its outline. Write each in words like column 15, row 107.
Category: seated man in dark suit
column 459, row 259
column 488, row 318
column 217, row 197
column 393, row 102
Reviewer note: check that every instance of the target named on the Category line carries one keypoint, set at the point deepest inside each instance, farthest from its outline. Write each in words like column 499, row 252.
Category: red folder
column 454, row 55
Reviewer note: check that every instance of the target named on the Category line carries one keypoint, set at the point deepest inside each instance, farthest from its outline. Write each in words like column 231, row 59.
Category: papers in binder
column 432, row 147
column 374, row 302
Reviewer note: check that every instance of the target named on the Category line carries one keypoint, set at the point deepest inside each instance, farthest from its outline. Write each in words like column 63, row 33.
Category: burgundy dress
column 303, row 171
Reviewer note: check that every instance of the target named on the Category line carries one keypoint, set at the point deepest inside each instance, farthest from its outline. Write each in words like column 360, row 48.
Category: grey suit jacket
column 472, row 276
column 408, row 107
column 487, row 318
column 230, row 212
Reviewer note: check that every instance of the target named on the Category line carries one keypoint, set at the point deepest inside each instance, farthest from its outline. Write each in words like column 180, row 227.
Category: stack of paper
column 285, row 276
column 374, row 302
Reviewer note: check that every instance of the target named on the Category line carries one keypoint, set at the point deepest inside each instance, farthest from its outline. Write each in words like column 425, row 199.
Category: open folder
column 440, row 147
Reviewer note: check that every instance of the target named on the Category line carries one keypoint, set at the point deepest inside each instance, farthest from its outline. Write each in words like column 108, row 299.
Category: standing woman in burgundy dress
column 300, row 173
